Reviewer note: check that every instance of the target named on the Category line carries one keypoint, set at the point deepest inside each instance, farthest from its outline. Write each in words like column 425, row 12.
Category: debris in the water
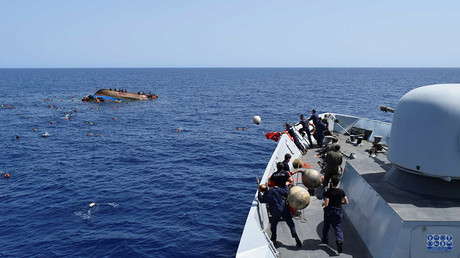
column 256, row 120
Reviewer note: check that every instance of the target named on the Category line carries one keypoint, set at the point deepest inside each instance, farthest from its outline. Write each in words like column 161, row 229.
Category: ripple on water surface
column 158, row 192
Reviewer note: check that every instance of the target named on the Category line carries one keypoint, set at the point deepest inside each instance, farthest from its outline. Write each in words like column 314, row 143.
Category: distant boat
column 112, row 95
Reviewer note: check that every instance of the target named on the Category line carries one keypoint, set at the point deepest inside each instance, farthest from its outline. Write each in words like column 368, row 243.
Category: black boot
column 339, row 247
column 273, row 239
column 298, row 242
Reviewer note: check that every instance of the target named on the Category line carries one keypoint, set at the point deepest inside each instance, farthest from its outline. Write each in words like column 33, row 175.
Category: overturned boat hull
column 115, row 95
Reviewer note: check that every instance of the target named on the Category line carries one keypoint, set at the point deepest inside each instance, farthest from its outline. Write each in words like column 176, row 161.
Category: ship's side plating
column 385, row 227
column 255, row 240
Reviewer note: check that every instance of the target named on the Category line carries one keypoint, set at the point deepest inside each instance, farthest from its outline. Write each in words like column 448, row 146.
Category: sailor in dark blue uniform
column 274, row 197
column 287, row 158
column 281, row 177
column 334, row 198
column 319, row 133
column 291, row 132
column 314, row 117
column 305, row 129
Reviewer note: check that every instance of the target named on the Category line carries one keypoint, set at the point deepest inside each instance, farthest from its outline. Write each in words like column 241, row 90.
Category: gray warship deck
column 409, row 207
column 310, row 229
column 389, row 214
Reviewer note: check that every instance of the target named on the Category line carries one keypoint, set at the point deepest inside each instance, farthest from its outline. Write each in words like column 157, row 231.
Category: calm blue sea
column 158, row 192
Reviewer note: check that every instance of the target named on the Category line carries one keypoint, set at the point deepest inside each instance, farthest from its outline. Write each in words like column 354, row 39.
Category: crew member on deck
column 274, row 197
column 319, row 133
column 286, row 166
column 305, row 129
column 286, row 160
column 291, row 132
column 314, row 117
column 334, row 198
column 333, row 165
column 330, row 147
column 326, row 124
column 281, row 177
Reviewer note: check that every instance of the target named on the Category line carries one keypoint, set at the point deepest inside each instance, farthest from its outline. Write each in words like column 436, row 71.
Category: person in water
column 275, row 198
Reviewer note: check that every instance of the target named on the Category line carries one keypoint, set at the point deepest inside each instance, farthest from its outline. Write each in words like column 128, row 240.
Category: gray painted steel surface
column 383, row 219
column 426, row 132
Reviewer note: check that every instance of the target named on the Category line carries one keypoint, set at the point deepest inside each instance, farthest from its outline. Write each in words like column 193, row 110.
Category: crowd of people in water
column 92, row 98
column 275, row 192
column 148, row 94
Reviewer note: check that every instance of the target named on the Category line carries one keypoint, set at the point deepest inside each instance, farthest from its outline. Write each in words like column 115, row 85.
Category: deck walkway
column 310, row 228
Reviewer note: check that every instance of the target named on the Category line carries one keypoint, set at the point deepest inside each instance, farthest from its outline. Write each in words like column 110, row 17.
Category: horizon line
column 245, row 67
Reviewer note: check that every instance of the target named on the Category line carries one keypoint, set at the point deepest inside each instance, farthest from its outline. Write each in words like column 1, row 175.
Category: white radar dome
column 425, row 133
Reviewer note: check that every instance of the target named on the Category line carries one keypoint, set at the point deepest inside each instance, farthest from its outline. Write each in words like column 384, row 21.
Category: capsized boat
column 402, row 187
column 113, row 95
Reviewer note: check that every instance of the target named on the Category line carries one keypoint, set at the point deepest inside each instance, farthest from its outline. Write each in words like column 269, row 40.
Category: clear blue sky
column 237, row 33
